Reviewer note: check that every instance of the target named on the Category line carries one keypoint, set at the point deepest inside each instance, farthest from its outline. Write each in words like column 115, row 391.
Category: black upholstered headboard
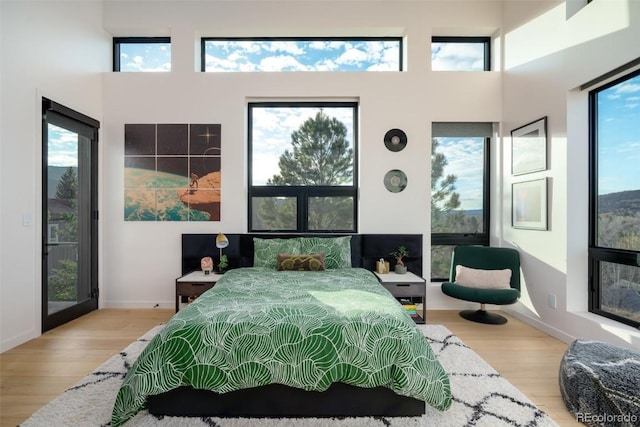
column 366, row 249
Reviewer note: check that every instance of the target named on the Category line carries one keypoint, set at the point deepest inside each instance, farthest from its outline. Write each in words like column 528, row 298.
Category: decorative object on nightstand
column 221, row 243
column 206, row 264
column 382, row 266
column 399, row 254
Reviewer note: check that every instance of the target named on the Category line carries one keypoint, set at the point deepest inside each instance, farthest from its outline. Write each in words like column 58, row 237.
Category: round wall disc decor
column 395, row 180
column 395, row 140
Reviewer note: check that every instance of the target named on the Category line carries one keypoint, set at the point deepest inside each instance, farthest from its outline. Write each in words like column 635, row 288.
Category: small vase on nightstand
column 401, row 269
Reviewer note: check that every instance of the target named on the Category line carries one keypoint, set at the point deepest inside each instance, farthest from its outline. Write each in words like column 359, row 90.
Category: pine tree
column 67, row 187
column 320, row 154
column 444, row 201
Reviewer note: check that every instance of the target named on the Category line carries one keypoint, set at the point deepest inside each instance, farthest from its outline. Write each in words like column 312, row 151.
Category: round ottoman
column 600, row 383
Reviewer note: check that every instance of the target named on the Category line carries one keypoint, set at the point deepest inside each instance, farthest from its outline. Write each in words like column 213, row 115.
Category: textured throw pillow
column 336, row 250
column 311, row 262
column 486, row 279
column 265, row 251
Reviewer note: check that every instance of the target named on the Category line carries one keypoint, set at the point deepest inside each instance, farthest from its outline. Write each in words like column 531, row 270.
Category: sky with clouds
column 272, row 128
column 619, row 137
column 465, row 160
column 302, row 55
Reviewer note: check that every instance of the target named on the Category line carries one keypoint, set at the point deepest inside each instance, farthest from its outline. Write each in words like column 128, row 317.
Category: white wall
column 140, row 260
column 52, row 49
column 410, row 100
column 543, row 80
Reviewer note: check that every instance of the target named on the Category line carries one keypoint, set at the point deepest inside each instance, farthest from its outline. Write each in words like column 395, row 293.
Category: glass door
column 69, row 214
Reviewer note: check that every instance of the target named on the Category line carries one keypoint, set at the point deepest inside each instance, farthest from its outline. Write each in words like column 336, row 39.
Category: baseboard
column 536, row 323
column 138, row 304
column 20, row 339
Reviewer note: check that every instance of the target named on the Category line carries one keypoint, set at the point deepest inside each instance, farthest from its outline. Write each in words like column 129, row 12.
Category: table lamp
column 221, row 242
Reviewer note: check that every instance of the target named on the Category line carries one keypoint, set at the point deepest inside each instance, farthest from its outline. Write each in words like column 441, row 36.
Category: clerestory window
column 280, row 54
column 146, row 54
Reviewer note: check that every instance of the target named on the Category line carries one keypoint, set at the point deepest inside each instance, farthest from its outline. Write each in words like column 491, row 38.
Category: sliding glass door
column 69, row 214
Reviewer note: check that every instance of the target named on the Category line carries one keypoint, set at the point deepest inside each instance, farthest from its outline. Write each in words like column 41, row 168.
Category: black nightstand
column 194, row 284
column 407, row 287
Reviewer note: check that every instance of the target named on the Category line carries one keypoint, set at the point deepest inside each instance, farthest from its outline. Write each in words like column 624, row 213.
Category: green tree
column 67, row 191
column 444, row 217
column 67, row 188
column 320, row 154
column 444, row 199
column 63, row 283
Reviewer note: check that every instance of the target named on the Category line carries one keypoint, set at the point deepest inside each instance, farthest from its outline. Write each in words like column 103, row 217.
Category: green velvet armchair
column 486, row 262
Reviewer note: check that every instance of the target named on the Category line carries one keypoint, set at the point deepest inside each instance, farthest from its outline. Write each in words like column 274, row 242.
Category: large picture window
column 459, row 190
column 302, row 166
column 614, row 241
column 278, row 54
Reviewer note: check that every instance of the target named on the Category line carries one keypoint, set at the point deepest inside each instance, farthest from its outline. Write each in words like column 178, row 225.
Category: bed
column 270, row 343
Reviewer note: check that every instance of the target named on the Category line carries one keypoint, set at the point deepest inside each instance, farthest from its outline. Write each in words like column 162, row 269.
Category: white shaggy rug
column 481, row 397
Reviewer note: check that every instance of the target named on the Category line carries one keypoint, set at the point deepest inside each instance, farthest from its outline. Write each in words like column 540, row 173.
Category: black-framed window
column 461, row 53
column 459, row 190
column 278, row 54
column 614, row 200
column 302, row 166
column 142, row 54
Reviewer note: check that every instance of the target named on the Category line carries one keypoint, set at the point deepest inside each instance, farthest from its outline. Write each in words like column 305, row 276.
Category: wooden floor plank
column 36, row 372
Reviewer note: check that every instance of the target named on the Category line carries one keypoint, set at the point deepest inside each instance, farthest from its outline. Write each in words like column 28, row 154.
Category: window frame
column 118, row 41
column 485, row 40
column 481, row 239
column 598, row 254
column 302, row 193
column 203, row 41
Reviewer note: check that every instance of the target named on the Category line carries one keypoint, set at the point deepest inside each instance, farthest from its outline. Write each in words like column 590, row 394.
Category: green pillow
column 336, row 250
column 265, row 251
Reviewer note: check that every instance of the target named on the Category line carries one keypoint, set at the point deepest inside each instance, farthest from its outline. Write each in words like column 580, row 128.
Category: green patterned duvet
column 259, row 326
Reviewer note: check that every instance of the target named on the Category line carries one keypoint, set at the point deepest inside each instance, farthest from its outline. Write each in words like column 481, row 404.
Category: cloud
column 629, row 87
column 457, row 56
column 62, row 147
column 281, row 63
column 465, row 160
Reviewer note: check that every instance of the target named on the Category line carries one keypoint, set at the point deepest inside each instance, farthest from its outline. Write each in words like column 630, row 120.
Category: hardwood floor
column 34, row 373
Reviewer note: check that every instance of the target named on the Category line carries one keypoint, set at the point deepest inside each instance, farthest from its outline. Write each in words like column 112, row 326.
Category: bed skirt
column 280, row 401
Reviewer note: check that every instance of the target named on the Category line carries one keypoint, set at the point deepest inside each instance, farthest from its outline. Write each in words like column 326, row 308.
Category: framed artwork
column 172, row 171
column 529, row 204
column 529, row 147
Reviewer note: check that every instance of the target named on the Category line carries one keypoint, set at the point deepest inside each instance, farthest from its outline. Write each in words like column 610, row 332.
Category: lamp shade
column 221, row 241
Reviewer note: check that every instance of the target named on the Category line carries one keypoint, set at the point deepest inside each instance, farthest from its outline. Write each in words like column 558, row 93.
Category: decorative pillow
column 312, row 262
column 336, row 250
column 265, row 251
column 486, row 279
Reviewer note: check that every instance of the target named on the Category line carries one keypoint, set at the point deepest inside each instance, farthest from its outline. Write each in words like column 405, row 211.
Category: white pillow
column 486, row 279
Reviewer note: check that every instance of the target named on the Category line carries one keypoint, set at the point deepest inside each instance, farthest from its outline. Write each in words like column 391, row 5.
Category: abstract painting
column 172, row 172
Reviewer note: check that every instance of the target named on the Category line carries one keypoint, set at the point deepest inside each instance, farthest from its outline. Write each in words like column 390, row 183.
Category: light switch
column 27, row 220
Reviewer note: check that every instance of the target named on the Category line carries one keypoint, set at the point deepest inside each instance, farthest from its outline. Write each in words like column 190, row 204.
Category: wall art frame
column 172, row 171
column 529, row 204
column 529, row 147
